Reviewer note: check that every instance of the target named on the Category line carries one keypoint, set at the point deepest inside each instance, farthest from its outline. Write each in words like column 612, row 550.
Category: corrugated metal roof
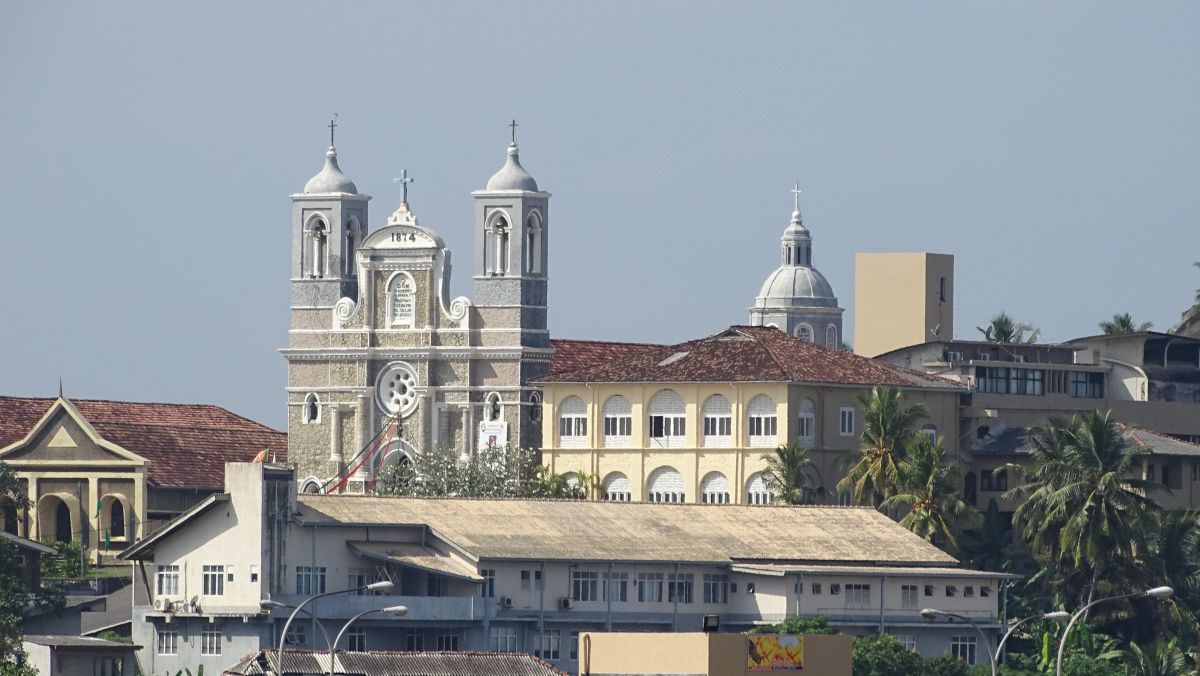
column 88, row 642
column 305, row 663
column 415, row 556
column 876, row 571
column 567, row 530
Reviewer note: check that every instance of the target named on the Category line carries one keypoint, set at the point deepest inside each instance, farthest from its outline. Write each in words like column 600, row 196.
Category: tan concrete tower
column 902, row 299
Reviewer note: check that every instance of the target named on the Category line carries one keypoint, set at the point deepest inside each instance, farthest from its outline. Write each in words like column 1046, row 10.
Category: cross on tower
column 404, row 180
column 514, row 125
column 332, row 125
column 796, row 191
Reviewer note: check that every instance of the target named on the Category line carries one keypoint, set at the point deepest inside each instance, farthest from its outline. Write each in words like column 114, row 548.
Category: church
column 383, row 363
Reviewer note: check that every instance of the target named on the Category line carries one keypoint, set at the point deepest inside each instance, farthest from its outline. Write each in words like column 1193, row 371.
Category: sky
column 150, row 148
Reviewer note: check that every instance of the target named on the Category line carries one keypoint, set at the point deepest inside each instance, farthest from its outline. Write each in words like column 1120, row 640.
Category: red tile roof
column 187, row 444
column 744, row 354
column 570, row 355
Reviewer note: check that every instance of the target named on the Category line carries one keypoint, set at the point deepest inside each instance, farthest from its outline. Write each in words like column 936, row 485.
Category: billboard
column 773, row 652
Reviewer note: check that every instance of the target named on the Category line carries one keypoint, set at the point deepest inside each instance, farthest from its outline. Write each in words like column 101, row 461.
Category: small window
column 312, row 410
column 816, row 588
column 985, row 591
column 804, row 332
column 210, row 642
column 951, row 590
column 908, row 597
column 749, row 587
column 847, row 422
column 835, row 589
column 968, row 592
column 929, row 590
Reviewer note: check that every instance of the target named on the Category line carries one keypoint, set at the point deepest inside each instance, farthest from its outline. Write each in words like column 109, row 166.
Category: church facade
column 377, row 349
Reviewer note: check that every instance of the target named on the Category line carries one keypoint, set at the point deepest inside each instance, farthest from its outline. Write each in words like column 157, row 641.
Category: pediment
column 64, row 437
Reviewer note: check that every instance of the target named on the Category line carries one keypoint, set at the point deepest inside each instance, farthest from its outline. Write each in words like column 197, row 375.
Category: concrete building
column 316, row 663
column 105, row 473
column 524, row 575
column 375, row 336
column 902, row 299
column 707, row 654
column 76, row 655
column 796, row 298
column 691, row 422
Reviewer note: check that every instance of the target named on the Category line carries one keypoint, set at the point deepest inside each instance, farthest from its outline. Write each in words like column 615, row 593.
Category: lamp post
column 398, row 611
column 934, row 613
column 1057, row 616
column 1159, row 593
column 267, row 605
column 385, row 585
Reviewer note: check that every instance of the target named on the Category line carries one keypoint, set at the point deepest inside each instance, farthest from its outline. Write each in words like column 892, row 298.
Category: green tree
column 1004, row 329
column 1079, row 509
column 989, row 547
column 494, row 472
column 789, row 473
column 1123, row 323
column 795, row 624
column 888, row 424
column 1192, row 312
column 15, row 595
column 883, row 655
column 1163, row 658
column 926, row 490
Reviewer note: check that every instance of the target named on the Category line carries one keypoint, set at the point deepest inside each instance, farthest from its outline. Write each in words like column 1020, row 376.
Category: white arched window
column 806, row 422
column 617, row 487
column 665, row 485
column 804, row 332
column 535, row 406
column 533, row 240
column 714, row 489
column 494, row 410
column 572, row 423
column 718, row 422
column 317, row 249
column 402, row 301
column 758, row 491
column 831, row 337
column 353, row 238
column 667, row 427
column 311, row 414
column 618, row 422
column 763, row 425
column 500, row 232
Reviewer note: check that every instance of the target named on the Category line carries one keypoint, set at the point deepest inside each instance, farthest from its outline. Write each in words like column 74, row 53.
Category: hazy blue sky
column 150, row 148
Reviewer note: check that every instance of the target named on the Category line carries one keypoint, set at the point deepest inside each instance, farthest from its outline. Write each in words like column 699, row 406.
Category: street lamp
column 267, row 605
column 397, row 611
column 1160, row 593
column 385, row 585
column 934, row 613
column 1057, row 616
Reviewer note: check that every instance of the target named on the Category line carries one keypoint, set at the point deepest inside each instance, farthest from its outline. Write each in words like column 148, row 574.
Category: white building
column 524, row 575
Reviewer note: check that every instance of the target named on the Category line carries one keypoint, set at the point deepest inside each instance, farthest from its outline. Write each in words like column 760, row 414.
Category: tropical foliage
column 1004, row 329
column 1192, row 313
column 888, row 424
column 789, row 473
column 1123, row 323
column 927, row 494
column 494, row 472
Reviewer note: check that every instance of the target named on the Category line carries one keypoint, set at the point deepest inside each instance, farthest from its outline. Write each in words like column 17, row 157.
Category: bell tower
column 329, row 222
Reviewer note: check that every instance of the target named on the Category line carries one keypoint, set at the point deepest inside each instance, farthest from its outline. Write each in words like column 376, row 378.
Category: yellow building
column 691, row 422
column 902, row 299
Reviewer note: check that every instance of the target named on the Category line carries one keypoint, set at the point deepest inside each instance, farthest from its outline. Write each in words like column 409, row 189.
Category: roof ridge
column 604, row 342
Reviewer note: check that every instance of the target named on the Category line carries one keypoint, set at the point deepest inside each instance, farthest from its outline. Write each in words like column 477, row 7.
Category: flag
column 261, row 457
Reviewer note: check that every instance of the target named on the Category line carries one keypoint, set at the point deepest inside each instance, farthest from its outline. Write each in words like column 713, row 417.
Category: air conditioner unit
column 162, row 605
column 564, row 603
column 506, row 602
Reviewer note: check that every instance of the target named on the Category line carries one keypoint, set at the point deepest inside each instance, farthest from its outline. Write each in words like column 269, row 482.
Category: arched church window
column 805, row 421
column 312, row 409
column 500, row 235
column 804, row 332
column 353, row 237
column 320, row 249
column 533, row 243
column 618, row 422
column 402, row 301
column 116, row 519
column 831, row 337
column 667, row 423
column 762, row 422
column 62, row 522
column 718, row 422
column 493, row 406
column 535, row 407
column 572, row 423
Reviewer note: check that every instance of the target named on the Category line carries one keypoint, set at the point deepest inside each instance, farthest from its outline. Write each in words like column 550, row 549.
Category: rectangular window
column 951, row 590
column 572, row 426
column 618, row 425
column 618, row 583
column 585, row 586
column 210, row 642
column 447, row 641
column 969, row 592
column 1149, row 472
column 985, row 591
column 310, row 580
column 985, row 480
column 929, row 590
column 503, row 639
column 414, row 640
column 1087, row 385
column 716, row 588
column 846, row 426
column 356, row 640
column 908, row 641
column 1028, row 381
column 680, row 587
column 435, row 585
column 991, row 380
column 108, row 666
column 574, row 646
column 858, row 596
column 297, row 634
column 666, row 426
column 488, row 589
column 650, row 587
column 804, row 428
column 214, row 580
column 1166, row 475
column 357, row 578
column 816, row 587
column 718, row 425
column 167, row 583
column 908, row 597
column 525, row 580
column 763, row 426
column 1001, row 478
column 548, row 646
column 963, row 648
column 168, row 643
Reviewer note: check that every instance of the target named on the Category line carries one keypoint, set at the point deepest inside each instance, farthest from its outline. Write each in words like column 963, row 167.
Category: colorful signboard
column 773, row 652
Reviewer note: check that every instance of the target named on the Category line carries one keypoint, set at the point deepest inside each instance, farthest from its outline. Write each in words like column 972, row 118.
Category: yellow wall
column 897, row 300
column 695, row 653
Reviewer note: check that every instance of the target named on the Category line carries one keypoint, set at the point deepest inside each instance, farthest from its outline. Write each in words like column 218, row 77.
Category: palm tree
column 927, row 490
column 1157, row 659
column 888, row 424
column 1078, row 507
column 989, row 547
column 1192, row 312
column 1123, row 323
column 1004, row 329
column 789, row 475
